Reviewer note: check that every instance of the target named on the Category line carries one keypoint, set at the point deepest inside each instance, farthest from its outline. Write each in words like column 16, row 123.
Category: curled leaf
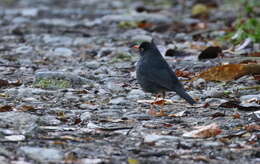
column 204, row 132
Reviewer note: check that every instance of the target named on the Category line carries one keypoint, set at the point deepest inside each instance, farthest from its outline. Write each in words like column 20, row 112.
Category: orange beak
column 136, row 46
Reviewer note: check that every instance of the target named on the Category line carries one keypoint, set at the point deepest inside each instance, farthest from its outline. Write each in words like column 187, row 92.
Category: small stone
column 24, row 50
column 214, row 92
column 92, row 64
column 30, row 99
column 4, row 160
column 215, row 101
column 49, row 120
column 43, row 155
column 85, row 116
column 57, row 40
column 71, row 97
column 155, row 137
column 62, row 51
column 141, row 38
column 199, row 83
column 20, row 121
column 15, row 138
column 118, row 100
column 113, row 87
column 136, row 94
column 30, row 12
column 91, row 161
column 246, row 98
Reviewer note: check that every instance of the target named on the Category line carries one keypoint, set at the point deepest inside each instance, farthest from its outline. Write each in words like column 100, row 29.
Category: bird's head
column 145, row 46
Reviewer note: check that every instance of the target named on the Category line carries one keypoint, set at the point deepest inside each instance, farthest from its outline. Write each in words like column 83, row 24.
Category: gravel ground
column 68, row 92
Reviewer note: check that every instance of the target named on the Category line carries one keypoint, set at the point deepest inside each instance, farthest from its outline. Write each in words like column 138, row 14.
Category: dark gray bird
column 155, row 75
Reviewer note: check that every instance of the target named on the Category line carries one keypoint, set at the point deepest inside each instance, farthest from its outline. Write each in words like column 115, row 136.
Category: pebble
column 91, row 161
column 199, row 83
column 20, row 121
column 49, row 120
column 118, row 100
column 57, row 40
column 63, row 52
column 136, row 94
column 85, row 116
column 43, row 155
column 15, row 138
column 24, row 50
column 29, row 12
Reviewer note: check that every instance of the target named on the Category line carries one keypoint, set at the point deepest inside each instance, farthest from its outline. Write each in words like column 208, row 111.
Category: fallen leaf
column 204, row 131
column 153, row 112
column 257, row 77
column 254, row 54
column 229, row 72
column 6, row 108
column 165, row 101
column 202, row 158
column 252, row 127
column 3, row 83
column 26, row 108
column 218, row 114
column 167, row 125
column 144, row 25
column 186, row 74
column 236, row 116
column 159, row 102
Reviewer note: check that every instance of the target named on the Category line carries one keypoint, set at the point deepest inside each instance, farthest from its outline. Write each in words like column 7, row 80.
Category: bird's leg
column 154, row 102
column 157, row 97
column 163, row 95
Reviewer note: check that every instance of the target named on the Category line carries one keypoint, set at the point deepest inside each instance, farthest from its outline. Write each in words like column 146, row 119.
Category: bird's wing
column 164, row 77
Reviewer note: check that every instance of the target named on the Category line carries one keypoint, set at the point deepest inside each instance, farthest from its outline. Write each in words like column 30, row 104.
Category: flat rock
column 44, row 155
column 19, row 121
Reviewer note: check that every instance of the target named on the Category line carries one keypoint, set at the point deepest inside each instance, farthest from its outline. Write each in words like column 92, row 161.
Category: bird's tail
column 181, row 92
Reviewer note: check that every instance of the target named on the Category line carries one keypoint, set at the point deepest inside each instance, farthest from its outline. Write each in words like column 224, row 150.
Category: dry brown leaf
column 3, row 83
column 180, row 73
column 144, row 25
column 26, row 108
column 6, row 108
column 218, row 114
column 236, row 116
column 253, row 127
column 204, row 131
column 257, row 77
column 165, row 101
column 153, row 112
column 254, row 54
column 229, row 72
column 159, row 102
